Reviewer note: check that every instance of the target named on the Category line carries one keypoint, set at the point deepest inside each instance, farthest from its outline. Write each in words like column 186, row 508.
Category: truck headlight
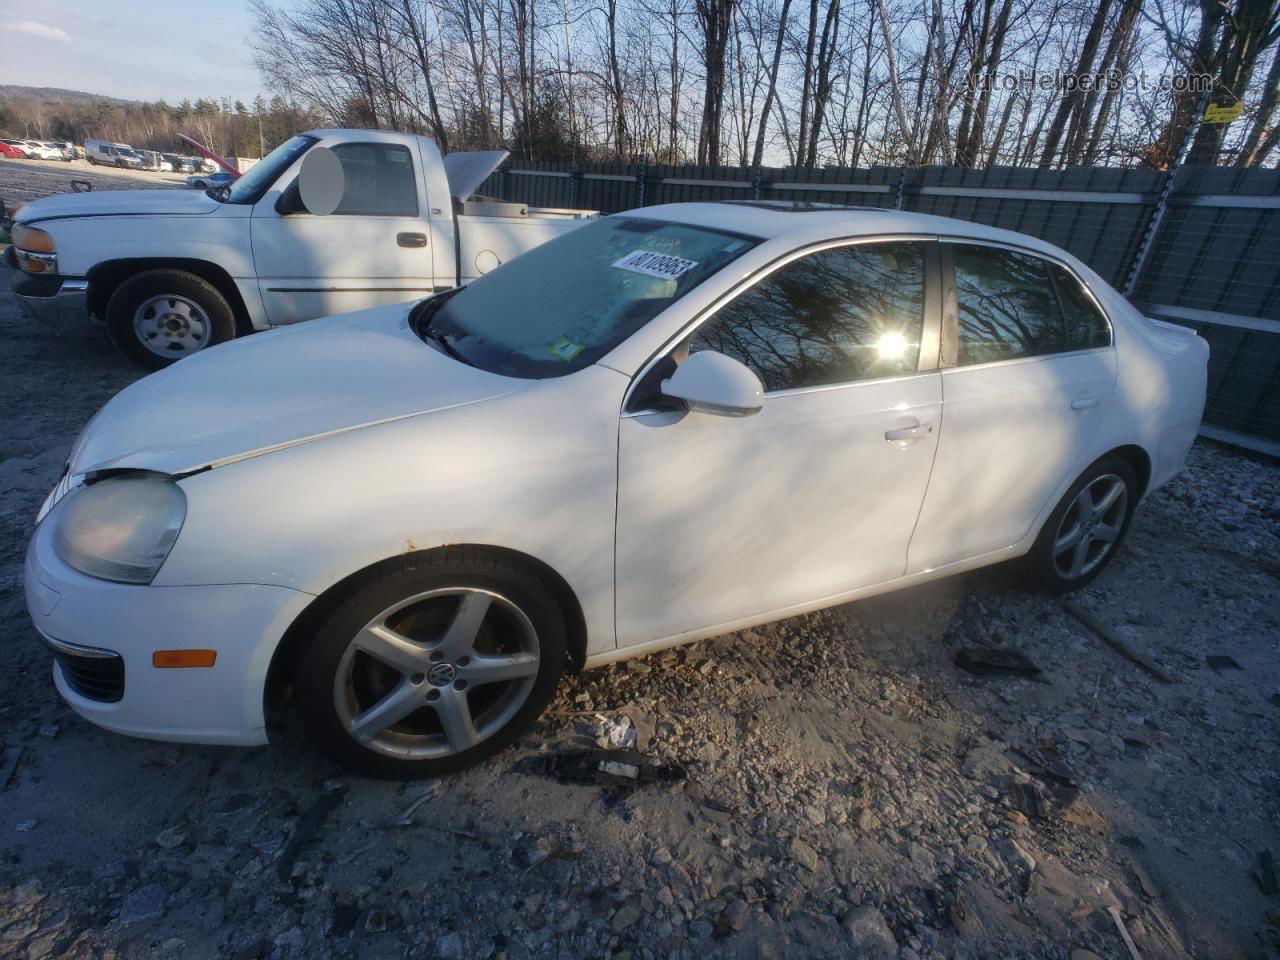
column 121, row 528
column 35, row 249
column 33, row 238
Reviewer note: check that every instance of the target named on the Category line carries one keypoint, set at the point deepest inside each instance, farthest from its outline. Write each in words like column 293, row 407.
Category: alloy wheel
column 1091, row 526
column 171, row 326
column 437, row 673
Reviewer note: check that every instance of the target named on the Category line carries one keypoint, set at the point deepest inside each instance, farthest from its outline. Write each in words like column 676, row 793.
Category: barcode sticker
column 662, row 265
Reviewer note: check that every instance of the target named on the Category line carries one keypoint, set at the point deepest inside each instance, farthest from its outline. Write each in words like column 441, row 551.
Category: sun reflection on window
column 891, row 345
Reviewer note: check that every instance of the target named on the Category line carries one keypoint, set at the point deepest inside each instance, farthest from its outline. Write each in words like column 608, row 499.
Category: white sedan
column 669, row 424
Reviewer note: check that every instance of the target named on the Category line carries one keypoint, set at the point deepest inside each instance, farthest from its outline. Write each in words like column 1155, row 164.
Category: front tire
column 160, row 316
column 434, row 665
column 1086, row 527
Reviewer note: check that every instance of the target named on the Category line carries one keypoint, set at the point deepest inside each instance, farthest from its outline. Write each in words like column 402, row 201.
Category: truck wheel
column 160, row 316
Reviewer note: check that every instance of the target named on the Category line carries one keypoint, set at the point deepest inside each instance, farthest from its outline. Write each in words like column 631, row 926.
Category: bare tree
column 715, row 18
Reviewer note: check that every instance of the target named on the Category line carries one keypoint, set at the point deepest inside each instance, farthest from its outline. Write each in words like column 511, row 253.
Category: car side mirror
column 710, row 382
column 321, row 181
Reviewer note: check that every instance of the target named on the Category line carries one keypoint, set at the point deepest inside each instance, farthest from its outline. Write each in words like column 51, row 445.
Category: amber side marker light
column 184, row 658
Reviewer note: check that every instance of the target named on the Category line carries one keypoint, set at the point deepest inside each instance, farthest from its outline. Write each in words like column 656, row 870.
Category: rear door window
column 1087, row 328
column 1007, row 304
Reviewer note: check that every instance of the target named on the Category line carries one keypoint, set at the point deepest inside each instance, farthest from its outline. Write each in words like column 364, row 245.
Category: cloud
column 42, row 30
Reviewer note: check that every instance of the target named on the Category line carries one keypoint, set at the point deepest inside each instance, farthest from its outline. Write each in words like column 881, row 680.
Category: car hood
column 277, row 389
column 106, row 203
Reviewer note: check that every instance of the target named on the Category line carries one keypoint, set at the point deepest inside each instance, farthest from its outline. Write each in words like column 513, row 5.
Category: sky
column 133, row 49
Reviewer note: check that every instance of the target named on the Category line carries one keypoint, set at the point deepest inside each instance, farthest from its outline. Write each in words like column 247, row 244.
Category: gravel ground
column 849, row 791
column 23, row 180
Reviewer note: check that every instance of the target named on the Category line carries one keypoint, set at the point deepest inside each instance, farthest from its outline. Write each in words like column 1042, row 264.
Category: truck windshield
column 250, row 187
column 565, row 304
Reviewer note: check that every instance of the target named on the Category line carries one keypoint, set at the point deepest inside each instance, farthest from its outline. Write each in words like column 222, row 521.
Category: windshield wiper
column 442, row 341
column 420, row 322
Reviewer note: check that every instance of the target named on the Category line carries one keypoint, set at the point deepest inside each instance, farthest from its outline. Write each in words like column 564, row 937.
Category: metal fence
column 1199, row 246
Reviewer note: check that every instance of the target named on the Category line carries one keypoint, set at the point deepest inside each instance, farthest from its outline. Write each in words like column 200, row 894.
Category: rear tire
column 1086, row 528
column 435, row 664
column 161, row 316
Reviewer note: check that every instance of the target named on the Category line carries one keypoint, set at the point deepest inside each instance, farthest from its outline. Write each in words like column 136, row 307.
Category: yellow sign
column 1217, row 113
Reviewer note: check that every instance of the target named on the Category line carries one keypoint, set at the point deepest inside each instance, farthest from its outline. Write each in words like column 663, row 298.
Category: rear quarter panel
column 1160, row 388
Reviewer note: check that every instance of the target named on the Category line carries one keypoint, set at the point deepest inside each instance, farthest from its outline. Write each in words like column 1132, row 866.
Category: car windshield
column 563, row 305
column 259, row 178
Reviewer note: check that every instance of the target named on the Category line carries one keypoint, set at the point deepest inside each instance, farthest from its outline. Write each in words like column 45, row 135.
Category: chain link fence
column 1199, row 246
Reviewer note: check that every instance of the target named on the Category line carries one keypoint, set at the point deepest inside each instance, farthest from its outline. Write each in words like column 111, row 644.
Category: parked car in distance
column 58, row 151
column 10, row 150
column 22, row 146
column 671, row 423
column 113, row 154
column 176, row 163
column 204, row 181
column 174, row 271
column 43, row 151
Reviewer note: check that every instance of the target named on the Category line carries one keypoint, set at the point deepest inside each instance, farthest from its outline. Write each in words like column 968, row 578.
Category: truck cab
column 173, row 272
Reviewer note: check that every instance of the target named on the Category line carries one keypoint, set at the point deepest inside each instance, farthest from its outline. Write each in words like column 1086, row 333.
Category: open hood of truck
column 107, row 203
column 277, row 389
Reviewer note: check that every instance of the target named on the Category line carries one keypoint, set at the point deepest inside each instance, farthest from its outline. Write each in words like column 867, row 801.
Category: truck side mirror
column 321, row 181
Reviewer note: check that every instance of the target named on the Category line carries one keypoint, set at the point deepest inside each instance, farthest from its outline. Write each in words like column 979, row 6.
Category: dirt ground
column 848, row 791
column 23, row 180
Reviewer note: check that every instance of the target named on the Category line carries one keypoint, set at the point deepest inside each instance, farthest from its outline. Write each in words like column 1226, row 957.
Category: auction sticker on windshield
column 651, row 264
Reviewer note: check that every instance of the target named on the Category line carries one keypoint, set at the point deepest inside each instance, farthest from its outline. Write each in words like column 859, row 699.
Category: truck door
column 374, row 249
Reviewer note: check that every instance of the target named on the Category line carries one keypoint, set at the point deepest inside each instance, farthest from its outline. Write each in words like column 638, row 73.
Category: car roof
column 806, row 223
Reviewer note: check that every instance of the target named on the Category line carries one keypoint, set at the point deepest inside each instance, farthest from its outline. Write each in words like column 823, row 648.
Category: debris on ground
column 991, row 662
column 615, row 733
column 1110, row 637
column 9, row 764
column 1266, row 873
column 627, row 769
column 305, row 830
column 1124, row 933
column 1218, row 662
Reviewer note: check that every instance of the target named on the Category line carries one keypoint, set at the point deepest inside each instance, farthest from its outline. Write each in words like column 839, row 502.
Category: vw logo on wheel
column 442, row 674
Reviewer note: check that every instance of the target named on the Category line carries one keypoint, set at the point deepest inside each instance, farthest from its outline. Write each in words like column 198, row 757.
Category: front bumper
column 222, row 704
column 58, row 302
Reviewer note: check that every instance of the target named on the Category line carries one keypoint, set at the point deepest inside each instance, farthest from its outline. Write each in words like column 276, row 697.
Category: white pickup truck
column 174, row 271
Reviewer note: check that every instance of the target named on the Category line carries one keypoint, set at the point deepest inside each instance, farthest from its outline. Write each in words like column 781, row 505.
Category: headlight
column 32, row 238
column 34, row 249
column 121, row 528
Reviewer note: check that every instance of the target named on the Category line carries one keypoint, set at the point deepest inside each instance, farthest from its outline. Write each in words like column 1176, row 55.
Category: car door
column 721, row 519
column 372, row 250
column 1028, row 373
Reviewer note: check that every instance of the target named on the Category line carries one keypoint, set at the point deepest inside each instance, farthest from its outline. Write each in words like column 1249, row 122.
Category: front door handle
column 411, row 239
column 1084, row 403
column 909, row 434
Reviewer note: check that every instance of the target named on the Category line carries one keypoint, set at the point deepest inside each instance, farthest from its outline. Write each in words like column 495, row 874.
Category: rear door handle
column 909, row 434
column 1084, row 403
column 411, row 239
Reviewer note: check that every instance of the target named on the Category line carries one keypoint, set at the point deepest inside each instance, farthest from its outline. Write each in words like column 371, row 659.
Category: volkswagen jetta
column 669, row 424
